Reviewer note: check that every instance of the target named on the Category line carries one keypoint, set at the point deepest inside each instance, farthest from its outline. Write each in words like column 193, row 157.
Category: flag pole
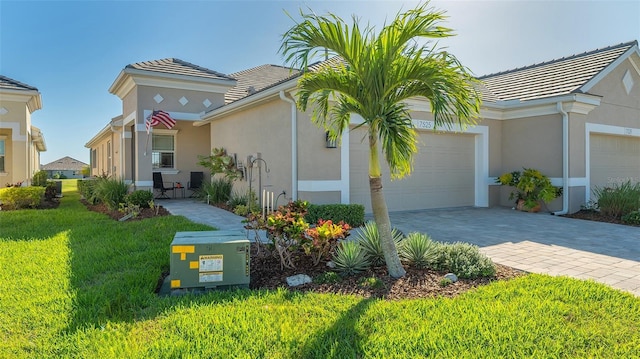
column 148, row 125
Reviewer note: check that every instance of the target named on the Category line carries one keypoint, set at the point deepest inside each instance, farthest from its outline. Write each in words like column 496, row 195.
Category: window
column 109, row 157
column 163, row 151
column 2, row 169
column 94, row 158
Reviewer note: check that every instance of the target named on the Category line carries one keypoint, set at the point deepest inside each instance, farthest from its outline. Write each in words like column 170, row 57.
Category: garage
column 613, row 159
column 443, row 173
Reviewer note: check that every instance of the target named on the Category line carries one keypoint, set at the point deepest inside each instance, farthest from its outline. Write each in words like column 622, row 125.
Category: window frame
column 173, row 134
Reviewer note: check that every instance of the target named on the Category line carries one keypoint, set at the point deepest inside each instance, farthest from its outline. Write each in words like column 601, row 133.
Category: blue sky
column 72, row 51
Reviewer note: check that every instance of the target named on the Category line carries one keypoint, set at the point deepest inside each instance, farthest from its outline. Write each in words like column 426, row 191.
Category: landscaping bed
column 591, row 215
column 372, row 283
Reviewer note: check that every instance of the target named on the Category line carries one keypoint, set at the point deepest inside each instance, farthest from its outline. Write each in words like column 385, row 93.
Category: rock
column 331, row 265
column 298, row 279
column 452, row 277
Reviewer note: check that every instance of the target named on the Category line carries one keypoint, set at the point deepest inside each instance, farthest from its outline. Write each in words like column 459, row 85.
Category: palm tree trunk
column 381, row 217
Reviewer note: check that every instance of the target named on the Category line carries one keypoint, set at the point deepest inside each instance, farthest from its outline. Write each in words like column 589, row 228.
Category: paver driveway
column 540, row 243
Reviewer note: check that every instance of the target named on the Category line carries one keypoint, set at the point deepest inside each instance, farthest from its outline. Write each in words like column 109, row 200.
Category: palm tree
column 373, row 76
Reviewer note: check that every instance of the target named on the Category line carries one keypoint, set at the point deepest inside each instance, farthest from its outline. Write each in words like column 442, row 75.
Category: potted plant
column 531, row 188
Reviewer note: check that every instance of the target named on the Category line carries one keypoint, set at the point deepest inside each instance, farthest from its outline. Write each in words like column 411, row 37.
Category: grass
column 76, row 284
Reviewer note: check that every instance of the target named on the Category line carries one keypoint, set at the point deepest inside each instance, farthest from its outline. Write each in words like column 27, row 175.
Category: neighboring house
column 65, row 167
column 577, row 119
column 20, row 141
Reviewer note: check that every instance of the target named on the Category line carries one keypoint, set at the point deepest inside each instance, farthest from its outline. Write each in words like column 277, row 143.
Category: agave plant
column 369, row 240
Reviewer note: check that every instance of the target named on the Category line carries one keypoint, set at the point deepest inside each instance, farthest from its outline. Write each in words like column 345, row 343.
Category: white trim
column 130, row 118
column 513, row 109
column 345, row 194
column 168, row 171
column 590, row 128
column 128, row 78
column 607, row 70
column 144, row 183
column 178, row 116
column 635, row 66
column 15, row 130
column 320, row 186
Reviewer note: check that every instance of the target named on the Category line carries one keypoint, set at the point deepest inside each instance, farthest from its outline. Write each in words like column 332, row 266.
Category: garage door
column 443, row 173
column 614, row 159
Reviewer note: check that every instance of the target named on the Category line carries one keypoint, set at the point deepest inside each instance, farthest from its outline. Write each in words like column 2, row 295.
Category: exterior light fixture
column 329, row 142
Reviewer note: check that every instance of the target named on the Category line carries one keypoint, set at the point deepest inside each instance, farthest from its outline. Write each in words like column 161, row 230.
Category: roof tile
column 177, row 67
column 11, row 84
column 553, row 78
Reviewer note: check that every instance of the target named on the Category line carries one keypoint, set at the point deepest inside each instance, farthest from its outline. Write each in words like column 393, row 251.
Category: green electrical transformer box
column 209, row 259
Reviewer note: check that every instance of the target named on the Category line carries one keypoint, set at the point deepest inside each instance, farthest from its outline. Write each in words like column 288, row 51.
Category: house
column 577, row 119
column 65, row 167
column 20, row 141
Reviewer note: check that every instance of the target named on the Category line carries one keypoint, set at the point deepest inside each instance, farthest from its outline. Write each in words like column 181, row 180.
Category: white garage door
column 613, row 160
column 443, row 173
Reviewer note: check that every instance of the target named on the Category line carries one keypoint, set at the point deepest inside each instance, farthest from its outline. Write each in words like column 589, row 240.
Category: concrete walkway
column 538, row 243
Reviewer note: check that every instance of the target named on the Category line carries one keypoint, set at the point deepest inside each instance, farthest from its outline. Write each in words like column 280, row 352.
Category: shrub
column 50, row 190
column 242, row 199
column 111, row 192
column 466, row 261
column 286, row 228
column 321, row 240
column 21, row 197
column 40, row 179
column 352, row 214
column 420, row 251
column 369, row 240
column 140, row 198
column 618, row 200
column 218, row 190
column 371, row 282
column 349, row 258
column 86, row 187
column 632, row 217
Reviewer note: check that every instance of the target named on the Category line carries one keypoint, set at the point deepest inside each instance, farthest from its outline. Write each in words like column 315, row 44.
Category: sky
column 72, row 51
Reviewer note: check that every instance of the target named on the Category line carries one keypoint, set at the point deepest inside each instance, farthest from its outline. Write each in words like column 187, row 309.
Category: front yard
column 77, row 284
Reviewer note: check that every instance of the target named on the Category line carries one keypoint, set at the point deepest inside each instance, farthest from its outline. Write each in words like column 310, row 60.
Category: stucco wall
column 265, row 128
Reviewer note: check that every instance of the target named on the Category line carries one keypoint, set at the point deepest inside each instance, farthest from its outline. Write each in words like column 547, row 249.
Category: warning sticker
column 210, row 263
column 211, row 277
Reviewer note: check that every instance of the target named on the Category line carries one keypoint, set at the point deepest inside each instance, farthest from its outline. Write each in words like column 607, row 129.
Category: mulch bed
column 116, row 215
column 597, row 216
column 417, row 283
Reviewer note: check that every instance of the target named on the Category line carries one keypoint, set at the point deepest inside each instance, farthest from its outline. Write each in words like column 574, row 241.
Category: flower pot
column 520, row 207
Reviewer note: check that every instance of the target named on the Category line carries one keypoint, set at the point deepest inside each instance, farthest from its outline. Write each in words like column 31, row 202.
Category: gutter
column 565, row 160
column 294, row 145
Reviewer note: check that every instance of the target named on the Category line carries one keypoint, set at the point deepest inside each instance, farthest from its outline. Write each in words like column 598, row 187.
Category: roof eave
column 245, row 102
column 38, row 139
column 607, row 69
column 129, row 77
column 32, row 98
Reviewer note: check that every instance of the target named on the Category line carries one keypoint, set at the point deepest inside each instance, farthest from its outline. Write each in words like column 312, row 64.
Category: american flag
column 157, row 117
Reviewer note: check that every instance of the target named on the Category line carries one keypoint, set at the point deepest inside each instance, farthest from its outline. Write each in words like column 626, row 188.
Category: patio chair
column 195, row 183
column 158, row 185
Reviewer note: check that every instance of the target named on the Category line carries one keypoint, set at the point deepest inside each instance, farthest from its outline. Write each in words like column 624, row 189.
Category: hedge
column 353, row 214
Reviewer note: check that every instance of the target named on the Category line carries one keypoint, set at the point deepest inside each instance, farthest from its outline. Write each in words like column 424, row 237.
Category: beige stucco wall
column 315, row 161
column 266, row 129
column 20, row 161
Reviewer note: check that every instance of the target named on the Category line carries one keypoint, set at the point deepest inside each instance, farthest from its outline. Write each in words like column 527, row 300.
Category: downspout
column 565, row 160
column 294, row 146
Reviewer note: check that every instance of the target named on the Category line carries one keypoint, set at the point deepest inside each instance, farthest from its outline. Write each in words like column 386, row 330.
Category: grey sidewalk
column 539, row 243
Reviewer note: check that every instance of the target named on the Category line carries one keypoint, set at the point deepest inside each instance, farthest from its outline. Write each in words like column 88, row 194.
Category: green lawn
column 75, row 284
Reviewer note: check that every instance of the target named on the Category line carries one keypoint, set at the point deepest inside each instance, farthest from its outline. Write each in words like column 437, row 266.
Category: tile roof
column 178, row 67
column 257, row 79
column 553, row 78
column 64, row 164
column 11, row 84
